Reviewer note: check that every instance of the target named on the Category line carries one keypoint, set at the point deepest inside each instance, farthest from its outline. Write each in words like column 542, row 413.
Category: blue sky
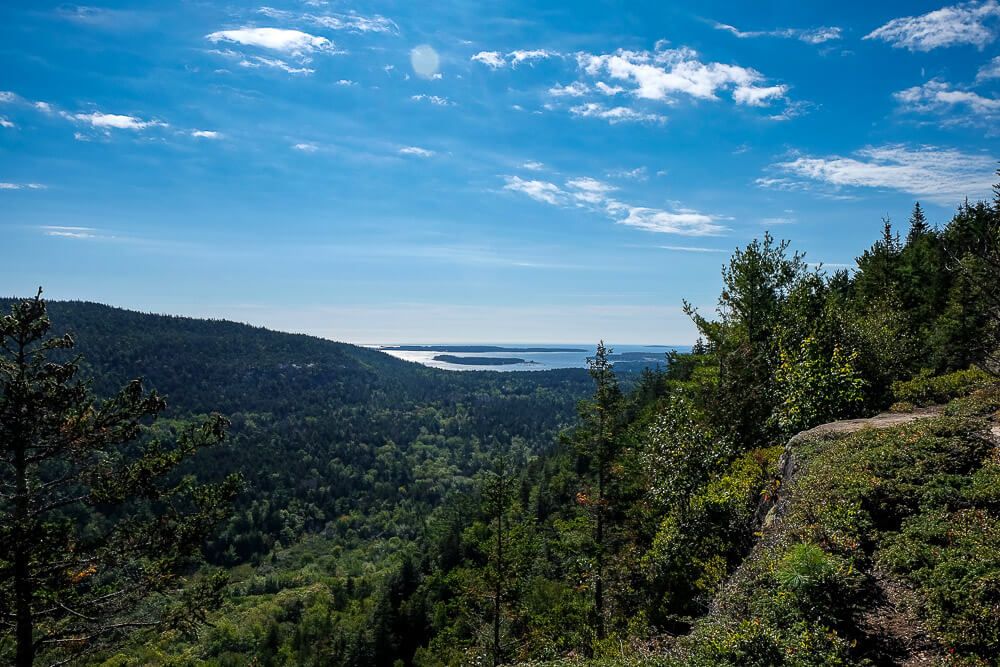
column 472, row 171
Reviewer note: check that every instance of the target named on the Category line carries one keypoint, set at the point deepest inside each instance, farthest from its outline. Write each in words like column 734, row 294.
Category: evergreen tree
column 599, row 446
column 93, row 523
column 497, row 490
column 918, row 224
column 877, row 279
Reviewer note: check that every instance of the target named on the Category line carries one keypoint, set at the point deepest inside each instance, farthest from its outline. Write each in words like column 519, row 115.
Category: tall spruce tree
column 599, row 446
column 497, row 489
column 918, row 224
column 95, row 523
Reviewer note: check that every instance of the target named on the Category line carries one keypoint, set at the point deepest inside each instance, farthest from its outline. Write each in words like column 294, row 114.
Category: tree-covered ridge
column 321, row 430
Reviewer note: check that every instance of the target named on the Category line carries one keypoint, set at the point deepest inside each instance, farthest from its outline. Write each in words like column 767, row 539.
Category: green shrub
column 817, row 388
column 929, row 389
column 822, row 587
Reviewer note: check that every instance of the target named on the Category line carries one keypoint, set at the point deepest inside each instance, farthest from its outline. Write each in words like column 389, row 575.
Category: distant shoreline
column 476, row 348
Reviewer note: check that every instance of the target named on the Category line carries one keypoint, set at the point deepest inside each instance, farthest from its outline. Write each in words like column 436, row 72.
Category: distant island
column 477, row 348
column 481, row 361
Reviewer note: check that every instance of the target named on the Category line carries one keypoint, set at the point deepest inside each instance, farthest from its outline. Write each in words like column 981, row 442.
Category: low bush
column 929, row 389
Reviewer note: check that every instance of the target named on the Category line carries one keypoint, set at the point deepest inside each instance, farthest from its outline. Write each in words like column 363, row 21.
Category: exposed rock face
column 771, row 507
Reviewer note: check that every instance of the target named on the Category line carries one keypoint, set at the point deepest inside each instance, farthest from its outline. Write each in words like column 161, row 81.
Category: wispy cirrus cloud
column 206, row 134
column 349, row 22
column 22, row 186
column 972, row 23
column 416, row 151
column 942, row 175
column 615, row 115
column 436, row 100
column 808, row 35
column 69, row 232
column 685, row 248
column 597, row 196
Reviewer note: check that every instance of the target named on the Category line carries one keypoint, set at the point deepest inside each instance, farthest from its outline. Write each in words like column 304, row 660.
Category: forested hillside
column 324, row 432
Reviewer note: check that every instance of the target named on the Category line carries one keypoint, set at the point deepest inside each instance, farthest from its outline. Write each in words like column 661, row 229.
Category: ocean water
column 537, row 361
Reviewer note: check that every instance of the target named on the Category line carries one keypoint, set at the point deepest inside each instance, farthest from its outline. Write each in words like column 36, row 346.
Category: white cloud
column 542, row 191
column 529, row 56
column 69, row 232
column 637, row 174
column 943, row 175
column 436, row 100
column 5, row 123
column 416, row 151
column 938, row 96
column 990, row 70
column 346, row 82
column 306, row 147
column 758, row 96
column 206, row 134
column 108, row 121
column 492, row 59
column 595, row 195
column 293, row 42
column 684, row 248
column 615, row 115
column 254, row 62
column 575, row 89
column 352, row 22
column 496, row 60
column 532, row 165
column 44, row 107
column 21, row 186
column 964, row 23
column 6, row 96
column 808, row 35
column 664, row 75
column 684, row 222
column 608, row 90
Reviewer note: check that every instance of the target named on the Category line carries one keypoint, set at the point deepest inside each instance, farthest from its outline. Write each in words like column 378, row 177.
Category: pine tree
column 599, row 446
column 498, row 489
column 93, row 522
column 918, row 225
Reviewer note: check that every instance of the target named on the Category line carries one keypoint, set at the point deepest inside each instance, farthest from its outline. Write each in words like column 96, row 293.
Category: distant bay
column 513, row 357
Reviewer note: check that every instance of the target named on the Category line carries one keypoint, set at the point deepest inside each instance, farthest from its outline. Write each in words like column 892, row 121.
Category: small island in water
column 477, row 348
column 481, row 361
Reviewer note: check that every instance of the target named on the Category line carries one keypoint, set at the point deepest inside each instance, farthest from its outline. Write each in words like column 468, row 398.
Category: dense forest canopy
column 394, row 514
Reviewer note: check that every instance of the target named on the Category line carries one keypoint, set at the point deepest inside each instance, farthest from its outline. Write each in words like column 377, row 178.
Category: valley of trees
column 390, row 514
